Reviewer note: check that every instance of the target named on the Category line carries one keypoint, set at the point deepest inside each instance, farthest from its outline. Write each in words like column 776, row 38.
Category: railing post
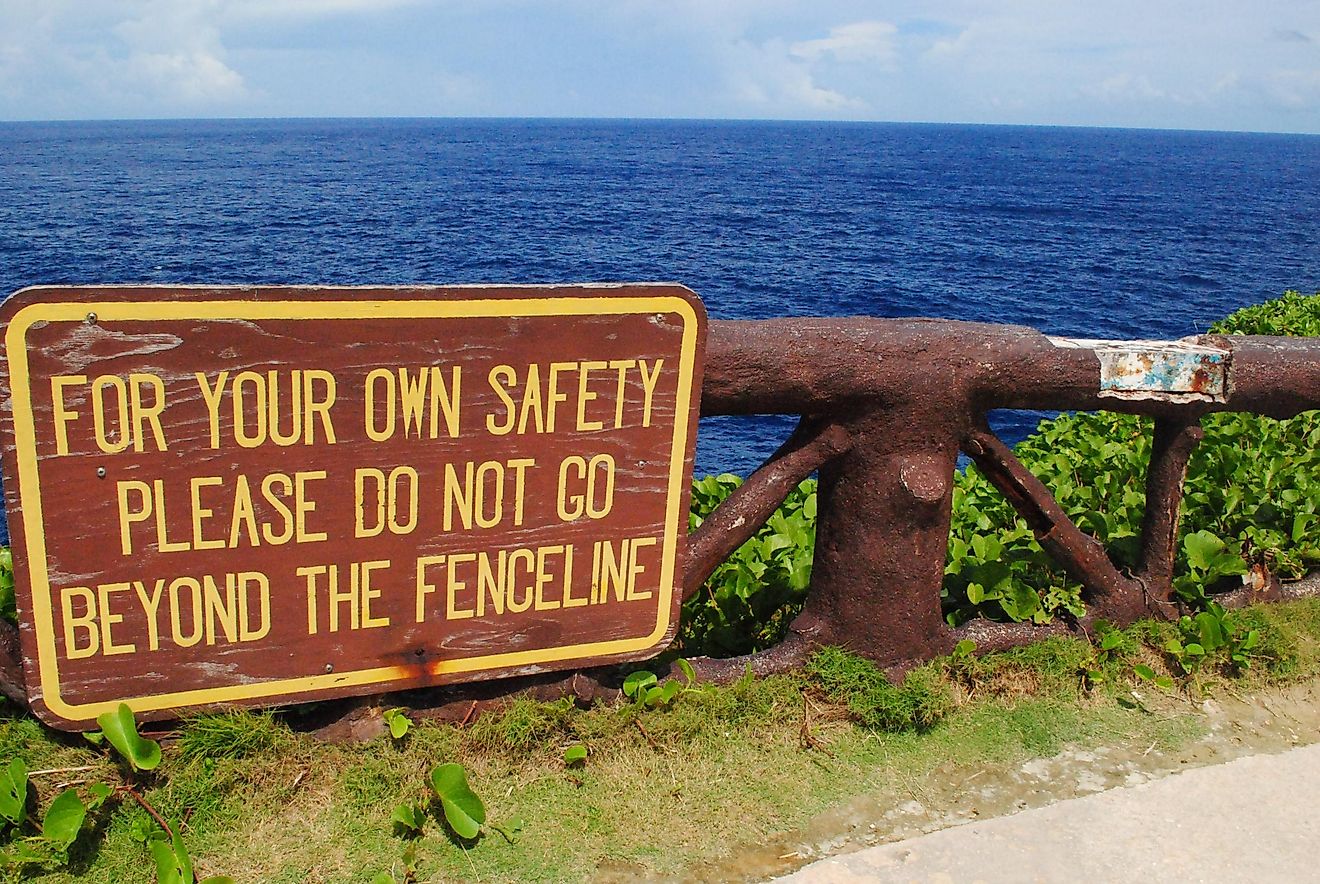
column 882, row 536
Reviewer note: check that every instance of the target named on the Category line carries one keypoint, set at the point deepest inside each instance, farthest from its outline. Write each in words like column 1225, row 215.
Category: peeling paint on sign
column 1175, row 371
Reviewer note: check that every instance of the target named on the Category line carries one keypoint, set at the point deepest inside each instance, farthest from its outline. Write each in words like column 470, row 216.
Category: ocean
column 1087, row 232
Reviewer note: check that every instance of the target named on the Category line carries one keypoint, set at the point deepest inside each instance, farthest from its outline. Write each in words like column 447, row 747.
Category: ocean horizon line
column 778, row 121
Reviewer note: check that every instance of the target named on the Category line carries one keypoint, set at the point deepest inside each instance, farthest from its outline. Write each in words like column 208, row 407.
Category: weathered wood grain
column 188, row 469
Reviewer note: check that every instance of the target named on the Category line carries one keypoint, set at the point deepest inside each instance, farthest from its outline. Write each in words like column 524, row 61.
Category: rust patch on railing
column 1171, row 371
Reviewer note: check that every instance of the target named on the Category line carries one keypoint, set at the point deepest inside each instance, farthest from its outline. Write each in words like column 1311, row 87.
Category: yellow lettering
column 360, row 527
column 150, row 415
column 201, row 513
column 127, row 516
column 151, row 607
column 649, row 381
column 176, row 621
column 224, row 610
column 311, row 572
column 63, row 416
column 569, row 601
column 531, row 400
column 163, row 543
column 490, row 581
column 87, row 622
column 452, row 611
column 622, row 366
column 543, row 576
column 103, row 440
column 554, row 397
column 245, row 515
column 508, row 376
column 585, row 396
column 258, row 409
column 529, row 558
column 246, row 579
column 306, row 506
column 456, row 496
column 447, row 400
column 318, row 407
column 374, row 432
column 423, row 587
column 296, row 422
column 519, row 466
column 571, row 506
column 267, row 486
column 635, row 568
column 412, row 391
column 212, row 399
column 369, row 622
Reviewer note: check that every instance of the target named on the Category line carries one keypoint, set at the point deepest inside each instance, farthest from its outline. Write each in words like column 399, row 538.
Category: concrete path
column 1256, row 819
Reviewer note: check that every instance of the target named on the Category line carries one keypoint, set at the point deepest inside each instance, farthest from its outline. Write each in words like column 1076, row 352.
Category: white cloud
column 1291, row 89
column 304, row 9
column 1125, row 87
column 138, row 57
column 769, row 77
column 951, row 47
column 195, row 77
column 1203, row 63
column 175, row 52
column 863, row 41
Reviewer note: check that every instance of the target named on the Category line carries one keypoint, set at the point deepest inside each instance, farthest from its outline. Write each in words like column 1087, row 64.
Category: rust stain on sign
column 1175, row 371
column 259, row 495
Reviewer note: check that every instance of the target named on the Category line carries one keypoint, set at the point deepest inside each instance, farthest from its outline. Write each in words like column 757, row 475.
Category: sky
column 1188, row 64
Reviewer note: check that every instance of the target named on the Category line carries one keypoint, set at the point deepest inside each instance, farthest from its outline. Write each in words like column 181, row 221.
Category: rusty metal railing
column 887, row 405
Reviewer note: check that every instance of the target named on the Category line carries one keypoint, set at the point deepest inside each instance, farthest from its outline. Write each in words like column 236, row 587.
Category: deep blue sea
column 1098, row 233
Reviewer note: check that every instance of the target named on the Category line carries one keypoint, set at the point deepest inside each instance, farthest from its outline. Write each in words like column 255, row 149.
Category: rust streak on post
column 1172, row 447
column 740, row 516
column 1081, row 555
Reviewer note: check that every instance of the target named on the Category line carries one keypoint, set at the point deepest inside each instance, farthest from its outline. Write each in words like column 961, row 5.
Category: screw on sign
column 234, row 495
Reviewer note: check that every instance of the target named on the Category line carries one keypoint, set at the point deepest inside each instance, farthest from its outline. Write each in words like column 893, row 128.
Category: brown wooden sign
column 235, row 495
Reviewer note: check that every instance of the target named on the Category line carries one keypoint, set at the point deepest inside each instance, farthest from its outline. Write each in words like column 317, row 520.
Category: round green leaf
column 462, row 808
column 575, row 754
column 636, row 683
column 399, row 723
column 120, row 729
column 64, row 819
column 13, row 791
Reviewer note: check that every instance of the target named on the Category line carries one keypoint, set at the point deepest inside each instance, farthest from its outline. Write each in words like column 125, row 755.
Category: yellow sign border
column 318, row 310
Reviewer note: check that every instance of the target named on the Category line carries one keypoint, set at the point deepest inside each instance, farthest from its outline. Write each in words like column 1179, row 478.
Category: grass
column 717, row 771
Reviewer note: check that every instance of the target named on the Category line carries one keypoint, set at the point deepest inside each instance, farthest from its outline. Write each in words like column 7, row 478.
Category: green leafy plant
column 14, row 792
column 752, row 596
column 509, row 831
column 1109, row 641
column 8, row 606
column 61, row 824
column 119, row 728
column 645, row 689
column 1145, row 673
column 398, row 722
column 174, row 865
column 409, row 869
column 1209, row 560
column 409, row 819
column 1212, row 636
column 63, row 820
column 463, row 810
